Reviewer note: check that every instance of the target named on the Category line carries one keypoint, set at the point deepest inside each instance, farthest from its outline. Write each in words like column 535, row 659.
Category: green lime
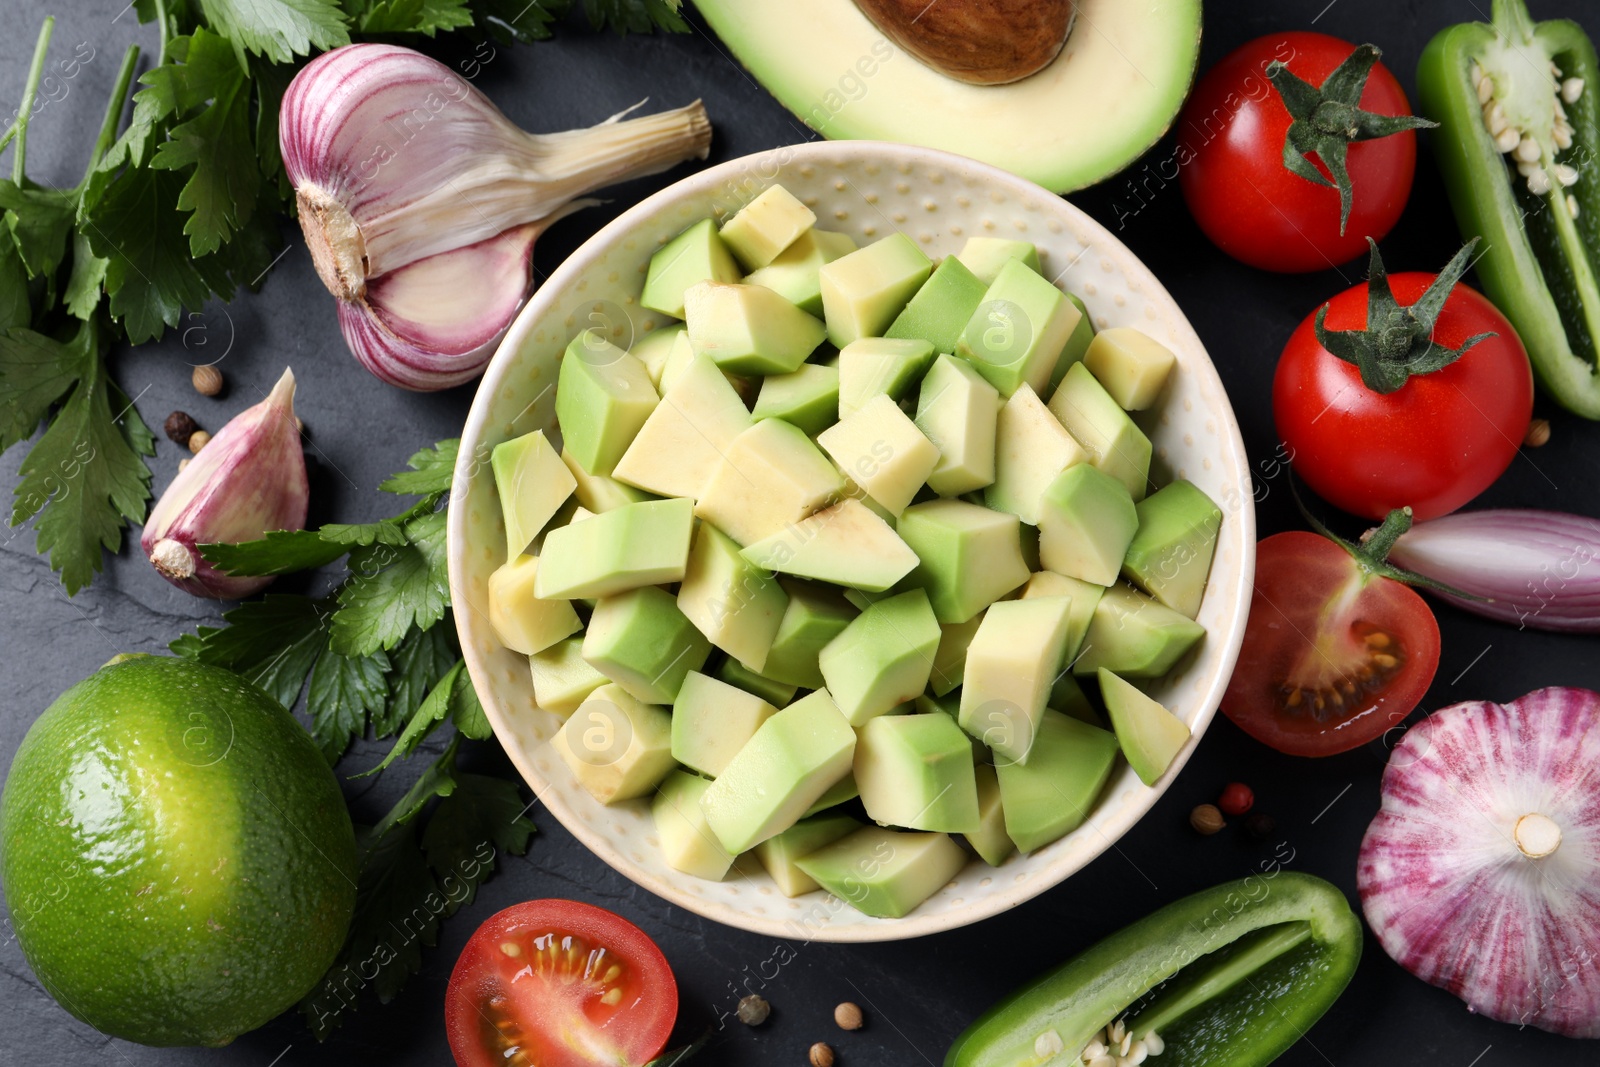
column 176, row 854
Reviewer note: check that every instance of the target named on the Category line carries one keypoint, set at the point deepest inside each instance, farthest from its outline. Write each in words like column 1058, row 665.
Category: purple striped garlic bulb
column 421, row 202
column 1481, row 871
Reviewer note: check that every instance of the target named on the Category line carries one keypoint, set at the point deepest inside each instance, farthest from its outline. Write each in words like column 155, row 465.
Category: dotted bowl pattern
column 868, row 190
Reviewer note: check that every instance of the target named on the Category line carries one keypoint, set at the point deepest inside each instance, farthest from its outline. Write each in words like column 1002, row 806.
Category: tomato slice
column 1334, row 655
column 557, row 983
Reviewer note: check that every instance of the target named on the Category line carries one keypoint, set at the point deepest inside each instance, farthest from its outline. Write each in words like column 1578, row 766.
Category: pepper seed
column 1206, row 819
column 1538, row 434
column 753, row 1010
column 207, row 380
column 821, row 1055
column 848, row 1016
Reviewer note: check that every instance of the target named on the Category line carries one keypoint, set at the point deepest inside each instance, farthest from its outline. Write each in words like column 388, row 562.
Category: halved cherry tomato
column 1334, row 653
column 557, row 983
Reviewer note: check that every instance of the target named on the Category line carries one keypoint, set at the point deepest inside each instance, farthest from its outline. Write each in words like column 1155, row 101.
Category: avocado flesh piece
column 841, row 792
column 562, row 678
column 532, row 483
column 779, row 854
column 808, row 398
column 880, row 449
column 959, row 412
column 643, row 643
column 1050, row 795
column 624, row 548
column 1086, row 522
column 872, row 366
column 1122, row 75
column 1170, row 555
column 771, row 477
column 603, row 397
column 984, row 256
column 1134, row 636
column 950, row 660
column 1114, row 443
column 695, row 255
column 1084, row 597
column 522, row 621
column 1151, row 736
column 1076, row 346
column 847, row 544
column 766, row 226
column 916, row 771
column 774, row 692
column 883, row 658
column 681, row 444
column 1132, row 365
column 990, row 840
column 885, row 873
column 736, row 606
column 712, row 721
column 969, row 556
column 1011, row 663
column 1031, row 448
column 687, row 843
column 1018, row 330
column 863, row 291
column 617, row 747
column 793, row 275
column 653, row 349
column 941, row 308
column 747, row 329
column 814, row 615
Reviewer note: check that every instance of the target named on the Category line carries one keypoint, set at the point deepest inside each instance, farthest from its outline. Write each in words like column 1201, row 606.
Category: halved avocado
column 1111, row 93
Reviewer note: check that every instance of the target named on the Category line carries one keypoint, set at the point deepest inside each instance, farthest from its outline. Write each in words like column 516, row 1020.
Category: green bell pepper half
column 1539, row 263
column 1229, row 977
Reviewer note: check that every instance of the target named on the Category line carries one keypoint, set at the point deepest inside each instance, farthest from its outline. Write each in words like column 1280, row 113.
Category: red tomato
column 1433, row 444
column 559, row 984
column 1231, row 160
column 1334, row 655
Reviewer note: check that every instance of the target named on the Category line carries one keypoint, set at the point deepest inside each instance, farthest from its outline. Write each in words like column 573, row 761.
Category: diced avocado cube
column 523, row 622
column 599, row 492
column 814, row 615
column 1076, row 345
column 1132, row 365
column 970, row 556
column 687, row 844
column 1068, row 697
column 1086, row 521
column 712, row 720
column 654, row 348
column 959, row 411
column 771, row 477
column 863, row 291
column 642, row 642
column 852, row 491
column 1018, row 330
column 808, row 398
column 1096, row 422
column 883, row 658
column 617, row 550
column 618, row 747
column 794, row 757
column 950, row 659
column 533, row 483
column 680, row 446
column 749, row 330
column 695, row 255
column 603, row 396
column 861, row 599
column 1151, row 736
column 766, row 226
column 873, row 366
column 885, row 873
column 1031, row 447
column 990, row 840
column 734, row 603
column 778, row 854
column 774, row 692
column 941, row 308
column 880, row 449
column 846, row 544
column 562, row 678
column 915, row 771
column 984, row 256
column 1051, row 795
column 793, row 275
column 1084, row 596
column 1012, row 661
column 678, row 359
column 1134, row 636
column 1170, row 555
column 840, row 792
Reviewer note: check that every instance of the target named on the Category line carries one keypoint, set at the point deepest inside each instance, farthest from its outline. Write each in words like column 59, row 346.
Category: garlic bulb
column 1481, row 871
column 421, row 202
column 248, row 479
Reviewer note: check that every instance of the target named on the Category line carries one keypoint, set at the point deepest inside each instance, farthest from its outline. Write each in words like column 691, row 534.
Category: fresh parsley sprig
column 377, row 656
column 186, row 203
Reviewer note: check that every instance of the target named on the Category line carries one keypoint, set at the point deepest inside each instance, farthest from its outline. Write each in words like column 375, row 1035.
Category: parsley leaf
column 392, row 588
column 274, row 642
column 14, row 307
column 518, row 20
column 430, row 473
column 84, row 283
column 412, row 16
column 279, row 552
column 345, row 691
column 417, row 664
column 466, row 711
column 636, row 16
column 429, row 714
column 382, row 532
column 277, row 29
column 35, row 372
column 481, row 817
column 39, row 221
column 150, row 274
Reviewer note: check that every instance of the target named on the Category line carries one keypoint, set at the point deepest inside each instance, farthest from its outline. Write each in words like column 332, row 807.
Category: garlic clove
column 1481, row 871
column 249, row 479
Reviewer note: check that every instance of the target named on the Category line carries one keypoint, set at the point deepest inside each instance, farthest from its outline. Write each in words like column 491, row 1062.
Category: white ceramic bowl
column 868, row 190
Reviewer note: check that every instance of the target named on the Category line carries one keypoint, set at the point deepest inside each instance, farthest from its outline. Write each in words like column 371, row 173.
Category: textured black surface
column 917, row 994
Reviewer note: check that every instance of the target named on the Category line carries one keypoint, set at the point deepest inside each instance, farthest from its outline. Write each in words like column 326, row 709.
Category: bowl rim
column 544, row 301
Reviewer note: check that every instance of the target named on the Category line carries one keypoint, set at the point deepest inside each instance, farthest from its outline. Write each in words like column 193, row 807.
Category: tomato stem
column 1372, row 554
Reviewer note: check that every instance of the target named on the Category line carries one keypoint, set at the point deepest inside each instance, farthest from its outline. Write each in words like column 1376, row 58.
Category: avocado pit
column 980, row 42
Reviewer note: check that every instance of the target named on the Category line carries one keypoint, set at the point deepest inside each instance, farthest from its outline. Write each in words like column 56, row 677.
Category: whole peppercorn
column 1237, row 798
column 753, row 1010
column 848, row 1016
column 207, row 380
column 821, row 1055
column 198, row 440
column 1206, row 819
column 1260, row 825
column 180, row 426
column 1538, row 434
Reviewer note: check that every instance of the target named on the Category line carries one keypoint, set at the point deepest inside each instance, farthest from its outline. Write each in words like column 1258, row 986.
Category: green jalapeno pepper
column 1231, row 975
column 1517, row 143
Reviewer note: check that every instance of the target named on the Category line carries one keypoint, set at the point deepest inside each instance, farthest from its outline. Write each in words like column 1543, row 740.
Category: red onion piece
column 1538, row 569
column 1481, row 871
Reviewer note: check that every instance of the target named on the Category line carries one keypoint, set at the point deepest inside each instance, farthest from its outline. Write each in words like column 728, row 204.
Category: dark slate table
column 917, row 994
